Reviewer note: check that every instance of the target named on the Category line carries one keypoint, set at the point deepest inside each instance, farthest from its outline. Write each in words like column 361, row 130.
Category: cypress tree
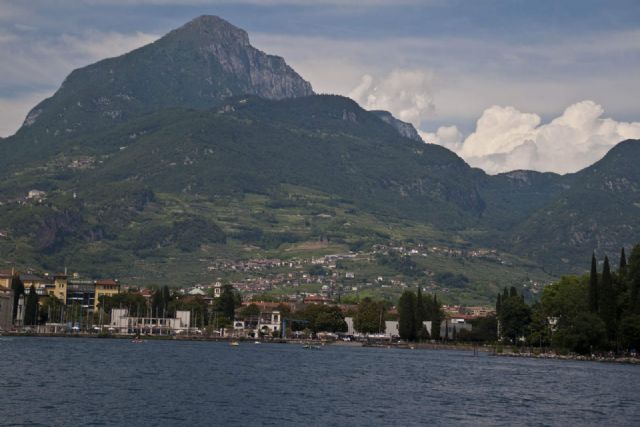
column 407, row 313
column 505, row 294
column 593, row 285
column 18, row 289
column 227, row 302
column 420, row 309
column 498, row 304
column 513, row 292
column 607, row 302
column 421, row 316
column 435, row 318
column 31, row 307
column 623, row 261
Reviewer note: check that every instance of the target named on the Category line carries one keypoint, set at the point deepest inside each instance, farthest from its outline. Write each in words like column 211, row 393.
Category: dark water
column 57, row 381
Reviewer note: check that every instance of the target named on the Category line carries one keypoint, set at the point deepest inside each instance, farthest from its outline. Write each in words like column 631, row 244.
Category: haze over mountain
column 140, row 155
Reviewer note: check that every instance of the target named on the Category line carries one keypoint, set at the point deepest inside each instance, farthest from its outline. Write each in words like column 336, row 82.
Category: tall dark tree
column 436, row 318
column 18, row 289
column 227, row 302
column 31, row 307
column 607, row 300
column 513, row 292
column 593, row 285
column 498, row 304
column 407, row 313
column 160, row 302
column 623, row 261
column 633, row 278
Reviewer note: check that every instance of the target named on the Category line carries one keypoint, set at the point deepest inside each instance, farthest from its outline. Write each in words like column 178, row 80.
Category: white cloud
column 406, row 93
column 447, row 136
column 506, row 139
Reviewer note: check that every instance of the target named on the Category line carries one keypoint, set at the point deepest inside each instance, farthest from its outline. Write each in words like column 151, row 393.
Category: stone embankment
column 592, row 358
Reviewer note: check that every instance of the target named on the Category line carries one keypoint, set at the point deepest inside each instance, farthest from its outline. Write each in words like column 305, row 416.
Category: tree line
column 593, row 313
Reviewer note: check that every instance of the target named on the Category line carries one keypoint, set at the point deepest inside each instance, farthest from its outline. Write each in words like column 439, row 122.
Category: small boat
column 256, row 342
column 234, row 343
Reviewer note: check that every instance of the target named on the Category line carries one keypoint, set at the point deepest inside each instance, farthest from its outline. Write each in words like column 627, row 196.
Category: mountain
column 199, row 146
column 598, row 209
column 195, row 66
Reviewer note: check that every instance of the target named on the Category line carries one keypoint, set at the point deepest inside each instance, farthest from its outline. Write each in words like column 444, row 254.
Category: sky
column 544, row 85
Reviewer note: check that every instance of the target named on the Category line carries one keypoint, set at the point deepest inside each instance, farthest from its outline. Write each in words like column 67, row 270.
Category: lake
column 76, row 381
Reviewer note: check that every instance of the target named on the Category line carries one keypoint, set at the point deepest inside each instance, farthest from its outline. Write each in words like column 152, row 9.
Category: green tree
column 515, row 316
column 422, row 334
column 633, row 279
column 607, row 302
column 630, row 331
column 135, row 303
column 584, row 333
column 407, row 313
column 227, row 302
column 31, row 307
column 484, row 329
column 623, row 260
column 435, row 315
column 540, row 330
column 593, row 285
column 370, row 316
column 321, row 318
column 316, row 270
column 250, row 311
column 18, row 289
column 160, row 302
column 50, row 309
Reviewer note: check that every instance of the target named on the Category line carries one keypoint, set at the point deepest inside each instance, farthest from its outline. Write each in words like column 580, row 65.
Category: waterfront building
column 122, row 323
column 6, row 308
column 84, row 292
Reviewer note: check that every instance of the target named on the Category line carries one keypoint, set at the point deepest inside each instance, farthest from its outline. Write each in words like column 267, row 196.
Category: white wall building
column 122, row 323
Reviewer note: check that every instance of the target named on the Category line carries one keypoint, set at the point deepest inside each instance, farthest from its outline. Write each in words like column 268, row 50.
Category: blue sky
column 442, row 65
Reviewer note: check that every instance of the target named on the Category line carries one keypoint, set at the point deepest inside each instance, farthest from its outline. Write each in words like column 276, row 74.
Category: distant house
column 36, row 195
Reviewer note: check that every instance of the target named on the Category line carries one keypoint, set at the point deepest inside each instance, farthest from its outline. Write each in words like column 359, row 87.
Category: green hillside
column 197, row 148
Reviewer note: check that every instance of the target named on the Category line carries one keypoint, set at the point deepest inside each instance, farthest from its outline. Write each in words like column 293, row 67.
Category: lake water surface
column 64, row 381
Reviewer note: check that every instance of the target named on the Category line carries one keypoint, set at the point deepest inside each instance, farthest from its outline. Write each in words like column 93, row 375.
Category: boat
column 256, row 342
column 234, row 343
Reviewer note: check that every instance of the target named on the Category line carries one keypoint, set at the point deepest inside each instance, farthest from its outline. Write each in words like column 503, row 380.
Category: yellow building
column 107, row 288
column 60, row 287
column 6, row 277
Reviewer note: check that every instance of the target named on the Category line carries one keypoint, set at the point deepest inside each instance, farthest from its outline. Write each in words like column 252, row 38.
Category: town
column 64, row 303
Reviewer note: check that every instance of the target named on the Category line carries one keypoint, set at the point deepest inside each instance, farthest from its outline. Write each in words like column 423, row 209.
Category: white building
column 122, row 323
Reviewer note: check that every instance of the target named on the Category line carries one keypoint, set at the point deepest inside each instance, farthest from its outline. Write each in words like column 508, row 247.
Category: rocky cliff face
column 195, row 66
column 217, row 41
column 405, row 129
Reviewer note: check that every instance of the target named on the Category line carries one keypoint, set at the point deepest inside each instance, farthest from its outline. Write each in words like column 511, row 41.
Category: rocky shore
column 592, row 358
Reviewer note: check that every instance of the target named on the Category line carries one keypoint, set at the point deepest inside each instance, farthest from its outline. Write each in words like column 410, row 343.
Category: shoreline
column 489, row 350
column 574, row 357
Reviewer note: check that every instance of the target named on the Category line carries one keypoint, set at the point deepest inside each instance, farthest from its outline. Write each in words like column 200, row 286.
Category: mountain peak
column 198, row 65
column 211, row 28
